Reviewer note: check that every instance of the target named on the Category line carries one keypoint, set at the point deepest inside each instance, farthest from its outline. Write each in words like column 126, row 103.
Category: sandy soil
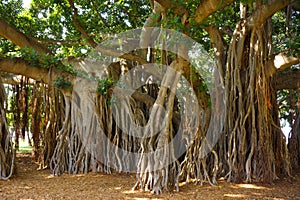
column 30, row 183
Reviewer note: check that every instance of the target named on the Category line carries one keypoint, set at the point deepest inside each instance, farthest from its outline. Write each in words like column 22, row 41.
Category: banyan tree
column 169, row 90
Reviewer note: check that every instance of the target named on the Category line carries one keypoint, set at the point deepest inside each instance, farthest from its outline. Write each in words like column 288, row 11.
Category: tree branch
column 209, row 7
column 266, row 11
column 280, row 62
column 119, row 54
column 21, row 67
column 177, row 9
column 12, row 79
column 151, row 3
column 20, row 39
column 205, row 9
column 151, row 21
column 98, row 13
column 79, row 26
column 53, row 41
column 219, row 44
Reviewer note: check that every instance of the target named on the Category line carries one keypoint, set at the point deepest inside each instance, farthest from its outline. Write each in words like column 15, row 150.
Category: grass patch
column 24, row 147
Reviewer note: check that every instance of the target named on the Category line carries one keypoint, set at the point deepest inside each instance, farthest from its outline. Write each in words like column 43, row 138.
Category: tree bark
column 287, row 79
column 7, row 151
column 20, row 39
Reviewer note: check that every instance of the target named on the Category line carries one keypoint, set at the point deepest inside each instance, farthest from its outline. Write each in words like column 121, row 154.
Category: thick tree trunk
column 155, row 171
column 36, row 121
column 294, row 140
column 7, row 152
column 250, row 126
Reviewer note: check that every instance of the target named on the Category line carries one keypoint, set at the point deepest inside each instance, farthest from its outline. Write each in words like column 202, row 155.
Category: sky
column 26, row 3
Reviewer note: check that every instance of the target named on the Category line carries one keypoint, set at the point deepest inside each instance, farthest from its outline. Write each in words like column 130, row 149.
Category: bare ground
column 30, row 183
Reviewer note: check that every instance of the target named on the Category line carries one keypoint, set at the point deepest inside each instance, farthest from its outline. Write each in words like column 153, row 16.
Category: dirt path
column 33, row 184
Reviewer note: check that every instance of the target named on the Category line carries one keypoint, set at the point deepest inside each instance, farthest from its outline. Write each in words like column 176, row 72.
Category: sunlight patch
column 252, row 186
column 236, row 195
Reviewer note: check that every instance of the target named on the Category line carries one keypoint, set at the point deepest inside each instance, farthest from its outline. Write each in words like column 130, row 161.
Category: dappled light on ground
column 236, row 195
column 252, row 186
column 31, row 183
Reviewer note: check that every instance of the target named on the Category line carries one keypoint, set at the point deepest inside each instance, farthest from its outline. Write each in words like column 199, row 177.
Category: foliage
column 63, row 84
column 104, row 85
column 287, row 106
column 288, row 38
column 44, row 61
column 51, row 21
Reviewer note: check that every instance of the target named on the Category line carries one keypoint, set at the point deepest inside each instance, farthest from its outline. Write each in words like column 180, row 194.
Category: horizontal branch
column 58, row 42
column 9, row 32
column 205, row 9
column 119, row 54
column 208, row 7
column 20, row 67
column 266, row 11
column 281, row 62
column 14, row 79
